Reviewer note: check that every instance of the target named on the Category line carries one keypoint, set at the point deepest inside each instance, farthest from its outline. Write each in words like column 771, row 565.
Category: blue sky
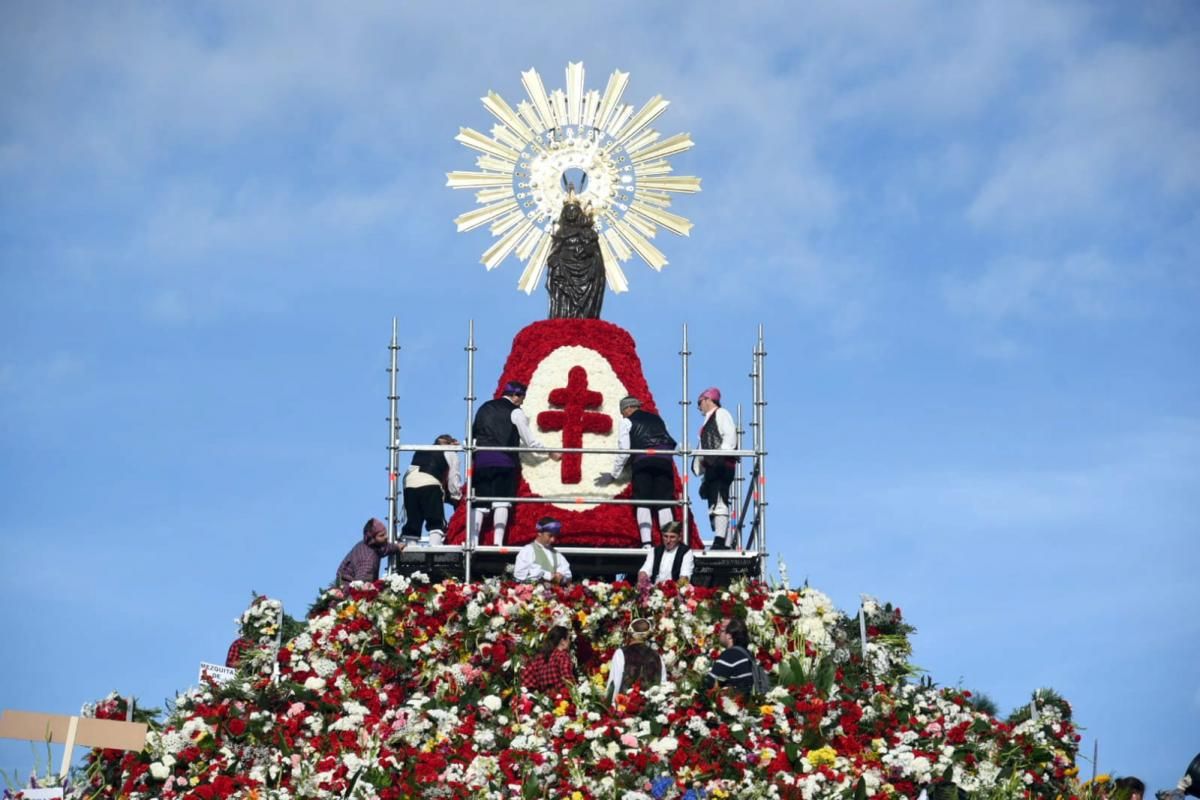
column 968, row 230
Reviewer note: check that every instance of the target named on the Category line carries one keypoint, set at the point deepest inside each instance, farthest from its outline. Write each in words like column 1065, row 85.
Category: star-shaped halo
column 574, row 138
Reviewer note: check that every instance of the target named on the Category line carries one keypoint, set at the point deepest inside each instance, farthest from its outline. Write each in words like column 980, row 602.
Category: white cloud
column 1080, row 285
column 1107, row 124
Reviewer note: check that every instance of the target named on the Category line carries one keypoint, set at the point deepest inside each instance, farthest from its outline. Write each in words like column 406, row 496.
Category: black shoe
column 719, row 544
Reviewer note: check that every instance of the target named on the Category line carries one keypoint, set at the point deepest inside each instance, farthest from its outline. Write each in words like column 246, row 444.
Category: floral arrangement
column 577, row 371
column 410, row 689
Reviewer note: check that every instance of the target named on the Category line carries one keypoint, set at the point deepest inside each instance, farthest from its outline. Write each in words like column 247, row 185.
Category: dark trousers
column 423, row 505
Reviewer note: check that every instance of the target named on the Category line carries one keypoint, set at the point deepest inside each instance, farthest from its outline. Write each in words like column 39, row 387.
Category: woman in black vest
column 430, row 483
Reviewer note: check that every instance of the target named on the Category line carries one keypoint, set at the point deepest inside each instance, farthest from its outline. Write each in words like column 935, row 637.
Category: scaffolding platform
column 714, row 568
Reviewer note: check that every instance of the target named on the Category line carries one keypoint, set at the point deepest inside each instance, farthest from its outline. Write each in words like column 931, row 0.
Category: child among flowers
column 550, row 671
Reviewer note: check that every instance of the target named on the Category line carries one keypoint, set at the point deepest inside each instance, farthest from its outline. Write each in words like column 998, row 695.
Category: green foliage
column 984, row 704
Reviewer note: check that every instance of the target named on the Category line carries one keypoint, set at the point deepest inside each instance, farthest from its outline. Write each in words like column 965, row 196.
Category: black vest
column 648, row 432
column 432, row 463
column 710, row 439
column 659, row 552
column 642, row 666
column 494, row 426
column 710, row 434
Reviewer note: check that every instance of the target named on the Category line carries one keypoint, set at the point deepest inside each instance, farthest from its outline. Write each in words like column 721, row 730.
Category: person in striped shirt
column 733, row 668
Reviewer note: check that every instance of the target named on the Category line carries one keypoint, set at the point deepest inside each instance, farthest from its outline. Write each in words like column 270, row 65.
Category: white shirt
column 664, row 567
column 623, row 429
column 527, row 568
column 521, row 421
column 616, row 671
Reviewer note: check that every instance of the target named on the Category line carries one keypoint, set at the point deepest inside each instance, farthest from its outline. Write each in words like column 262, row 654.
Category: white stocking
column 644, row 524
column 499, row 524
column 721, row 529
column 480, row 513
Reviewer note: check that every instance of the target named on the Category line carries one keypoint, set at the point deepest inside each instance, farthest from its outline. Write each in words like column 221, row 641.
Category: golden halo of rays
column 520, row 163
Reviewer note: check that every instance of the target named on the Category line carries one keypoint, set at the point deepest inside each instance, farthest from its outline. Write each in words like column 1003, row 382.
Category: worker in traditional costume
column 538, row 560
column 653, row 474
column 500, row 423
column 431, row 482
column 669, row 561
column 716, row 472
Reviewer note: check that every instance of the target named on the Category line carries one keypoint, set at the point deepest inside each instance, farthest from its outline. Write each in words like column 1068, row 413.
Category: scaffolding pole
column 393, row 441
column 760, row 354
column 736, row 491
column 685, row 472
column 468, row 455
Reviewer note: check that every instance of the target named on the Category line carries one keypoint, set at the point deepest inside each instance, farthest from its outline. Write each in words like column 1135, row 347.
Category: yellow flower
column 582, row 616
column 1103, row 779
column 823, row 755
column 765, row 756
column 576, row 796
column 348, row 611
column 766, row 709
column 720, row 793
column 561, row 708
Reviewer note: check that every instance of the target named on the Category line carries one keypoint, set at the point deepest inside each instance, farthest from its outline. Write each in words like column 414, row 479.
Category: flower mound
column 410, row 689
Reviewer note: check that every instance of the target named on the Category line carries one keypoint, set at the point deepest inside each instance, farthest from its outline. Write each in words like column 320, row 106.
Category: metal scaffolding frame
column 749, row 492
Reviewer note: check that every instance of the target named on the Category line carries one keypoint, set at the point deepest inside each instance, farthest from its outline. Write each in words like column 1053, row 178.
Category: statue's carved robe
column 575, row 269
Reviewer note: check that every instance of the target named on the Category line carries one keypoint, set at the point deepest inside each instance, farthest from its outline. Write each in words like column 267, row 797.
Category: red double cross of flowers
column 574, row 419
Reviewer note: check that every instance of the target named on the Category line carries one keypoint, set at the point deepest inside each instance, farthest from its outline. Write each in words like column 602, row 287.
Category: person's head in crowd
column 374, row 531
column 709, row 399
column 1129, row 788
column 672, row 534
column 639, row 631
column 557, row 639
column 734, row 633
column 515, row 391
column 628, row 405
column 548, row 529
column 444, row 439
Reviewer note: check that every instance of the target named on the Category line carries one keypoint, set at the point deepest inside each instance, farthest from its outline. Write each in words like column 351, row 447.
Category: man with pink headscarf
column 363, row 560
column 717, row 472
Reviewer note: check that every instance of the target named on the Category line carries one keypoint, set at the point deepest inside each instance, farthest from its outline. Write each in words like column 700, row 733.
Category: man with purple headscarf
column 716, row 472
column 362, row 562
column 500, row 423
column 538, row 560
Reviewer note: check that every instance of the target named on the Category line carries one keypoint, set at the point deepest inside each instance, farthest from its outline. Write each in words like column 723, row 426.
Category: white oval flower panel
column 545, row 477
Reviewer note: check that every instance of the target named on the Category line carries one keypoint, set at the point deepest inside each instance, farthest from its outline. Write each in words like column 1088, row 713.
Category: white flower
column 314, row 684
column 667, row 744
column 160, row 771
column 492, row 703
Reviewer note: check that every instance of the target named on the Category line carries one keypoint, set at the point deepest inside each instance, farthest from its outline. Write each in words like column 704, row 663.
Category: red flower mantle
column 604, row 525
